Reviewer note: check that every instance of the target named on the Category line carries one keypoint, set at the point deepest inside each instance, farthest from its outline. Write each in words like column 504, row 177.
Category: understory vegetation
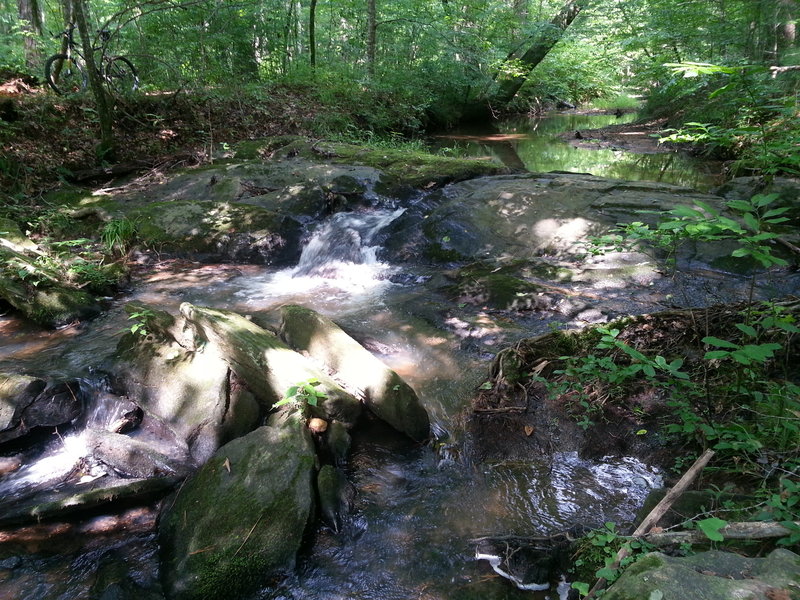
column 722, row 378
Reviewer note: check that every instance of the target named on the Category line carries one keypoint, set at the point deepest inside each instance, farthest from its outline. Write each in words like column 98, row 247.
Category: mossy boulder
column 240, row 520
column 266, row 365
column 384, row 391
column 413, row 168
column 38, row 292
column 712, row 575
column 237, row 232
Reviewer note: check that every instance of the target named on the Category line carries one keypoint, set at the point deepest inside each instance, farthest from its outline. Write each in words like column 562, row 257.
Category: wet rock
column 337, row 442
column 132, row 458
column 532, row 215
column 63, row 503
column 27, row 403
column 240, row 520
column 9, row 464
column 712, row 575
column 188, row 388
column 336, row 496
column 266, row 365
column 384, row 392
column 235, row 232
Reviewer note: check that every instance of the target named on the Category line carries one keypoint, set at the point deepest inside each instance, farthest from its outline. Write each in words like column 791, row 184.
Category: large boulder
column 529, row 215
column 188, row 389
column 384, row 392
column 265, row 364
column 712, row 575
column 240, row 520
column 27, row 403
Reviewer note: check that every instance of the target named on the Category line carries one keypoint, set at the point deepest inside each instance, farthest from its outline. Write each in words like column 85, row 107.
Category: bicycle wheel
column 64, row 75
column 121, row 76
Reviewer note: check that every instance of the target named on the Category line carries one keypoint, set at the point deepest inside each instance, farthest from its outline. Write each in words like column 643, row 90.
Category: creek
column 418, row 508
column 535, row 144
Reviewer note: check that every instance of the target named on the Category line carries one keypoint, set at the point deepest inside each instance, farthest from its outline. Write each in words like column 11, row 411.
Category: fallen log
column 746, row 530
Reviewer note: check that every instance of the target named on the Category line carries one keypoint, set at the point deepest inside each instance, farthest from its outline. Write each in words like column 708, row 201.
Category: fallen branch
column 747, row 530
column 652, row 519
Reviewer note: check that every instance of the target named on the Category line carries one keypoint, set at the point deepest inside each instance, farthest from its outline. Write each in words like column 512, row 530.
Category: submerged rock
column 384, row 392
column 240, row 520
column 712, row 575
column 336, row 496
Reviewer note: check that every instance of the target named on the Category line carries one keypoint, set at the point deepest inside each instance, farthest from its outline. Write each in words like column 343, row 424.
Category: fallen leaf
column 227, row 464
column 528, row 430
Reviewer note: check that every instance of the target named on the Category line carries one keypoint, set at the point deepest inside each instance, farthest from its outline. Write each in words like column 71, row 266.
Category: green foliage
column 596, row 555
column 140, row 319
column 302, row 394
column 784, row 508
column 118, row 236
column 711, row 528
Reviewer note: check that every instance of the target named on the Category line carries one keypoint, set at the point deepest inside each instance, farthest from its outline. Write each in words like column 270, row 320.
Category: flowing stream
column 418, row 509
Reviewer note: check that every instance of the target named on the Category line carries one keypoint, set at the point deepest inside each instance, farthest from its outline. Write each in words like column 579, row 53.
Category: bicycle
column 66, row 74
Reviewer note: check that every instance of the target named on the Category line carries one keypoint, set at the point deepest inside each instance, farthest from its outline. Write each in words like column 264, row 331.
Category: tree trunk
column 102, row 102
column 312, row 32
column 30, row 13
column 372, row 26
column 538, row 48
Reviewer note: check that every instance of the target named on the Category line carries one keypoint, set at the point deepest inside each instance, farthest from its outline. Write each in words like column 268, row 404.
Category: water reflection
column 535, row 145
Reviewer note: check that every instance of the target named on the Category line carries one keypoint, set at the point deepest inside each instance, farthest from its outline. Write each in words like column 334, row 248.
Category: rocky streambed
column 434, row 265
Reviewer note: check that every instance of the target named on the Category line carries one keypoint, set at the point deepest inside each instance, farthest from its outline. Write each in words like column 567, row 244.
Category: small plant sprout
column 303, row 394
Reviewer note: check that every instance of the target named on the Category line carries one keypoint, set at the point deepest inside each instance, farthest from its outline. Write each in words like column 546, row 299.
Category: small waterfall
column 345, row 240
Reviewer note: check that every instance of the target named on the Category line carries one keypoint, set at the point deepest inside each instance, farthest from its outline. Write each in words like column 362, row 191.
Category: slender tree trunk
column 312, row 33
column 372, row 27
column 30, row 13
column 102, row 101
column 538, row 49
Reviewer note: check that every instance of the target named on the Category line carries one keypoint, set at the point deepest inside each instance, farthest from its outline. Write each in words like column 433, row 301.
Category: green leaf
column 583, row 588
column 747, row 329
column 607, row 573
column 486, row 385
column 710, row 527
column 775, row 212
column 715, row 341
column 716, row 354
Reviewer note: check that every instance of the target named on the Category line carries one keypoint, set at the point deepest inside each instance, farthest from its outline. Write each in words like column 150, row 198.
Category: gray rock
column 240, row 519
column 27, row 403
column 187, row 388
column 265, row 364
column 383, row 391
column 132, row 458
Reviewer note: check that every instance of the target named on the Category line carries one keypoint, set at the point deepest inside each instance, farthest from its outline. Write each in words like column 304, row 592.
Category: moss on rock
column 240, row 519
